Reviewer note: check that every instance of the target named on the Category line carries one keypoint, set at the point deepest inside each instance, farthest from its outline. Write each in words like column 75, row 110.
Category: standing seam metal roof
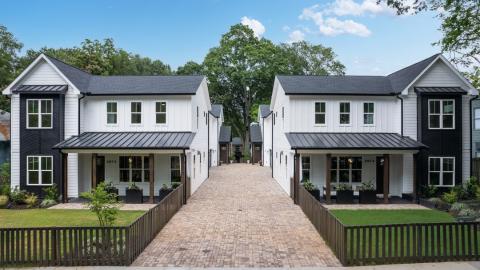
column 441, row 90
column 41, row 89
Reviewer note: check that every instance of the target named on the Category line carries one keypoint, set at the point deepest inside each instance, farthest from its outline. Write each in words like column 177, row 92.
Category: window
column 161, row 112
column 441, row 171
column 477, row 118
column 368, row 113
column 441, row 114
column 39, row 113
column 175, row 174
column 111, row 113
column 344, row 113
column 136, row 112
column 346, row 170
column 319, row 113
column 197, row 117
column 39, row 170
column 305, row 168
column 134, row 169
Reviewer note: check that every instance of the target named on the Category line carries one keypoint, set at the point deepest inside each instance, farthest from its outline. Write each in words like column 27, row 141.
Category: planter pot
column 231, row 161
column 133, row 196
column 367, row 196
column 163, row 193
column 248, row 161
column 345, row 196
column 315, row 193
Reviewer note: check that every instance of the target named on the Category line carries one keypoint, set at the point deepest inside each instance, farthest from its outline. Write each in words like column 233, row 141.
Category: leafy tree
column 103, row 204
column 190, row 68
column 9, row 47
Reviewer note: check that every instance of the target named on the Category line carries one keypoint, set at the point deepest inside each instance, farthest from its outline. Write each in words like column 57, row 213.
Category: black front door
column 379, row 175
column 100, row 169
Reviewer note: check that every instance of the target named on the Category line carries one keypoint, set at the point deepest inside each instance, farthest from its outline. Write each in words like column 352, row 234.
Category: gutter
column 401, row 114
column 471, row 134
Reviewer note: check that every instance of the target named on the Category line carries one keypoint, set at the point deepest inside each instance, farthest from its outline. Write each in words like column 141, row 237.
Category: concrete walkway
column 239, row 217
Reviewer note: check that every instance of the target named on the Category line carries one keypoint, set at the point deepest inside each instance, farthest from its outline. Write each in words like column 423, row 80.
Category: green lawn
column 58, row 218
column 380, row 217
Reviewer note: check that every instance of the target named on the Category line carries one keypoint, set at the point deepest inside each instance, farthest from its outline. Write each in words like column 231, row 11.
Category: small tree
column 103, row 204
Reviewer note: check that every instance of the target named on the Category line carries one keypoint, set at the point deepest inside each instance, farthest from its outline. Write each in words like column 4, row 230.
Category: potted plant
column 344, row 194
column 164, row 191
column 110, row 188
column 367, row 193
column 231, row 158
column 311, row 188
column 133, row 194
column 175, row 185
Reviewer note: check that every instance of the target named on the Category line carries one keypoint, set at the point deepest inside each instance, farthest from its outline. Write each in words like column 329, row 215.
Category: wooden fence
column 76, row 246
column 395, row 243
column 476, row 167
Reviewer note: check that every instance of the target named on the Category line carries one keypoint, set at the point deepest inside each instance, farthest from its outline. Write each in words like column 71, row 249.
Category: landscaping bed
column 394, row 216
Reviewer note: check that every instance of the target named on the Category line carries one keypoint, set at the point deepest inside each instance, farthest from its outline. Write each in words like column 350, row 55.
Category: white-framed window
column 476, row 117
column 346, row 170
column 320, row 110
column 39, row 113
column 112, row 111
column 306, row 168
column 134, row 169
column 136, row 112
column 441, row 171
column 344, row 113
column 161, row 112
column 175, row 173
column 441, row 114
column 368, row 113
column 39, row 170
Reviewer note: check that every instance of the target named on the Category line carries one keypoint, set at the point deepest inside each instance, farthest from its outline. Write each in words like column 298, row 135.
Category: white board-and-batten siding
column 15, row 140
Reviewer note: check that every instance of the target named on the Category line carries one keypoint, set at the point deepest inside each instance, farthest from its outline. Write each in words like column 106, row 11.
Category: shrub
column 467, row 212
column 458, row 206
column 470, row 188
column 429, row 191
column 31, row 200
column 46, row 203
column 367, row 186
column 5, row 179
column 131, row 186
column 342, row 187
column 308, row 185
column 175, row 184
column 103, row 204
column 460, row 191
column 450, row 197
column 3, row 201
column 51, row 193
column 17, row 196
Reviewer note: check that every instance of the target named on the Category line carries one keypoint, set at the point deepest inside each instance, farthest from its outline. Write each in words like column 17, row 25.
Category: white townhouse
column 214, row 125
column 265, row 121
column 400, row 132
column 75, row 129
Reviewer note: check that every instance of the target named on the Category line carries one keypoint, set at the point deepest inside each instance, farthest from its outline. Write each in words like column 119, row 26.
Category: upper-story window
column 319, row 113
column 368, row 113
column 39, row 113
column 441, row 114
column 161, row 112
column 344, row 113
column 136, row 112
column 112, row 113
column 477, row 118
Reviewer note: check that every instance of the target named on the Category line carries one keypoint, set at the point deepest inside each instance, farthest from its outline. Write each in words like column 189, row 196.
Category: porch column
column 296, row 177
column 94, row 171
column 328, row 177
column 151, row 177
column 414, row 195
column 386, row 175
column 65, row 177
column 183, row 176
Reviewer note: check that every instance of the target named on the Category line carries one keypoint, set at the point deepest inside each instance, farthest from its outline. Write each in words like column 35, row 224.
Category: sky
column 368, row 39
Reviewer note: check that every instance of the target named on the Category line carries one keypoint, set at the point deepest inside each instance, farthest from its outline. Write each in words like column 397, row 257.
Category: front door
column 379, row 177
column 100, row 169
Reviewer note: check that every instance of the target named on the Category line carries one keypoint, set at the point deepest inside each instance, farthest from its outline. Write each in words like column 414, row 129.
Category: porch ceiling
column 128, row 140
column 352, row 141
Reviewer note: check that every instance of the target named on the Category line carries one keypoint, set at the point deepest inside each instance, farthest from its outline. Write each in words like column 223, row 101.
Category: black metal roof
column 216, row 110
column 225, row 134
column 264, row 110
column 255, row 133
column 128, row 140
column 391, row 84
column 128, row 85
column 440, row 90
column 352, row 141
column 41, row 89
column 236, row 141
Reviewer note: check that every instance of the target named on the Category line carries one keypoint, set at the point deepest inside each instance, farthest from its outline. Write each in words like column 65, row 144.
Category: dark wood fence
column 476, row 167
column 395, row 243
column 76, row 246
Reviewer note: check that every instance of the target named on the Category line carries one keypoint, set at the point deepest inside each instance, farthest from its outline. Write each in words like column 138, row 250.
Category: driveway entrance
column 239, row 217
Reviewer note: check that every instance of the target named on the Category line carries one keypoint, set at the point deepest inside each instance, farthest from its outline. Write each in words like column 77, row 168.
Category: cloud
column 332, row 26
column 353, row 8
column 255, row 25
column 296, row 36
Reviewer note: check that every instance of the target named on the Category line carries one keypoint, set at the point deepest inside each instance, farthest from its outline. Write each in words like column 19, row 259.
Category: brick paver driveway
column 239, row 217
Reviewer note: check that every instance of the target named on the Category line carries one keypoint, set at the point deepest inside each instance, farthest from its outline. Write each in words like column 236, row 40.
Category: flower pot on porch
column 345, row 196
column 163, row 193
column 315, row 193
column 134, row 195
column 367, row 196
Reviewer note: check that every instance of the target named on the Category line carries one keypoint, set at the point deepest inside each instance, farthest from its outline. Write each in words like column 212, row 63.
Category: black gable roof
column 402, row 78
column 255, row 133
column 216, row 110
column 225, row 134
column 264, row 110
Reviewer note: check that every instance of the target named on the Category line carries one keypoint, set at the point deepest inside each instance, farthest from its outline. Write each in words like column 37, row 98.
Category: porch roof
column 128, row 140
column 41, row 89
column 354, row 141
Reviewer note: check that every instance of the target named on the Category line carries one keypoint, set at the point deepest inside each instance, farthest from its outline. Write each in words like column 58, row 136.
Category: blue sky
column 367, row 38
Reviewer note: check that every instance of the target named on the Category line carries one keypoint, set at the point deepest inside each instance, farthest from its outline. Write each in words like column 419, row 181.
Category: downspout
column 471, row 135
column 79, row 101
column 401, row 114
column 263, row 141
